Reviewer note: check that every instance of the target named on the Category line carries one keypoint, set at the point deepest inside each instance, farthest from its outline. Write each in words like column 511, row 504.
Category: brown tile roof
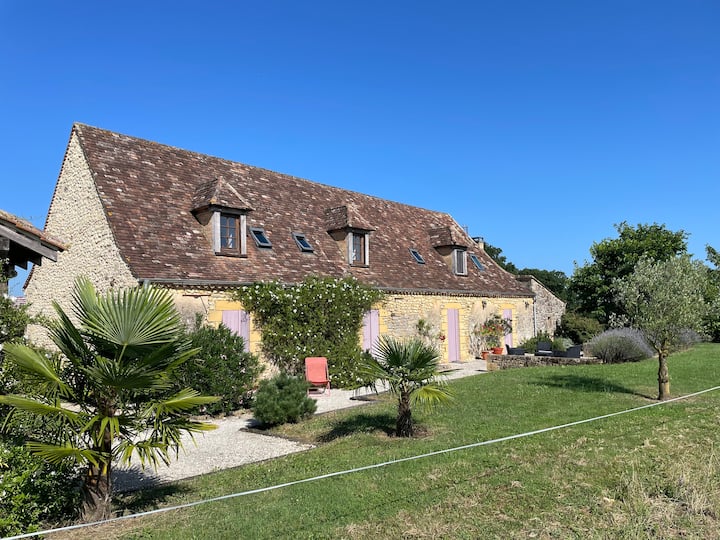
column 149, row 192
column 27, row 243
column 26, row 228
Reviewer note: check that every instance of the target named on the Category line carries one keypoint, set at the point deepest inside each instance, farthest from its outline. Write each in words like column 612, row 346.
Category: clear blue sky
column 538, row 125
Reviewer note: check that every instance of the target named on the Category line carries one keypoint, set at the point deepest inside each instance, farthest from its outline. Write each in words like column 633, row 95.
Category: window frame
column 416, row 256
column 459, row 256
column 480, row 266
column 365, row 261
column 254, row 232
column 218, row 228
column 300, row 239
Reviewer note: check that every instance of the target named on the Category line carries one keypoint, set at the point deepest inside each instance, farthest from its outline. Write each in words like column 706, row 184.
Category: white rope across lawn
column 357, row 469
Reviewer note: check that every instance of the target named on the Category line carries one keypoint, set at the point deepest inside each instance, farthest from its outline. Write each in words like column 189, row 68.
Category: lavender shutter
column 371, row 329
column 507, row 315
column 453, row 337
column 238, row 321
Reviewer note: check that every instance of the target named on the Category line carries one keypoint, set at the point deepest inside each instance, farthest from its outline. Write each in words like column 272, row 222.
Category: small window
column 460, row 262
column 302, row 242
column 229, row 233
column 477, row 262
column 358, row 249
column 416, row 255
column 258, row 235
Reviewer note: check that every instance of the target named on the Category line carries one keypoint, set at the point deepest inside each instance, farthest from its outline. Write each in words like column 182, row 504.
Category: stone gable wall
column 77, row 218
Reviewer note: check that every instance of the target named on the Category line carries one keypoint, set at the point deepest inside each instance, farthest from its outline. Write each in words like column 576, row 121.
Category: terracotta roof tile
column 149, row 192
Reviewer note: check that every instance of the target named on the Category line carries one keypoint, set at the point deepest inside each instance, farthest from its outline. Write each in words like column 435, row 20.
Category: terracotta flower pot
column 497, row 350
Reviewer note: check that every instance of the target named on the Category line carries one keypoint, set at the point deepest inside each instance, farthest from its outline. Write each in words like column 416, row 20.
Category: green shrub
column 530, row 344
column 221, row 368
column 318, row 317
column 34, row 493
column 578, row 328
column 620, row 345
column 282, row 399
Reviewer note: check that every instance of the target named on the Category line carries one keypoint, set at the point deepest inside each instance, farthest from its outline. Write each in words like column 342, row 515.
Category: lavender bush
column 620, row 345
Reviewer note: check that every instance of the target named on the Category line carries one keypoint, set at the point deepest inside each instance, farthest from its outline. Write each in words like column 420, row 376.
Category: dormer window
column 228, row 231
column 459, row 260
column 416, row 255
column 358, row 248
column 477, row 262
column 302, row 242
column 261, row 239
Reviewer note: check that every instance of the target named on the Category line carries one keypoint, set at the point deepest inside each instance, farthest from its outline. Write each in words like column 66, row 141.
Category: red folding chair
column 316, row 373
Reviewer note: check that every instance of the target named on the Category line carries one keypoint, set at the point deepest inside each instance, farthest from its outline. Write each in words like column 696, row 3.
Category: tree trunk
column 97, row 491
column 97, row 495
column 663, row 377
column 404, row 427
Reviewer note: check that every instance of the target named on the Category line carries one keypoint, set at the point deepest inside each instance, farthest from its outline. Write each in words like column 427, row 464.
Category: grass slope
column 651, row 473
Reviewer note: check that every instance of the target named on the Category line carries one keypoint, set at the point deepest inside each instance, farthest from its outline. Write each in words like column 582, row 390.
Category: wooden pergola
column 22, row 243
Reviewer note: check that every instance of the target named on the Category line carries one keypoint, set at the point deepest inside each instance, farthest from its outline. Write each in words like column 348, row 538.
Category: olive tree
column 664, row 299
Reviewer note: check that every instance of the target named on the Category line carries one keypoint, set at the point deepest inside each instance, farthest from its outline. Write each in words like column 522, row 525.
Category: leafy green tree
column 111, row 397
column 591, row 286
column 555, row 280
column 664, row 300
column 712, row 318
column 496, row 255
column 410, row 369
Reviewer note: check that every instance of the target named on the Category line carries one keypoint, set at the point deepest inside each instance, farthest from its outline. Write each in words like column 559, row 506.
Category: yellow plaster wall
column 398, row 315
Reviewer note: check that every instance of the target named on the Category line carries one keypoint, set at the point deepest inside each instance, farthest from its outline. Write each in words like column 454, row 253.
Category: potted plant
column 493, row 331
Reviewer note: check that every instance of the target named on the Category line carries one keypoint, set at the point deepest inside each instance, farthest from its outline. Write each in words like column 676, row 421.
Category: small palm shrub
column 620, row 345
column 221, row 368
column 410, row 369
column 33, row 492
column 282, row 399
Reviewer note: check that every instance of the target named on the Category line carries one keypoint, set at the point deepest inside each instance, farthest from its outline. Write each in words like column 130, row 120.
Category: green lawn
column 651, row 473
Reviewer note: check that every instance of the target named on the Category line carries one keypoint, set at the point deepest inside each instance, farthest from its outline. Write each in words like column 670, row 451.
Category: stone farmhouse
column 132, row 211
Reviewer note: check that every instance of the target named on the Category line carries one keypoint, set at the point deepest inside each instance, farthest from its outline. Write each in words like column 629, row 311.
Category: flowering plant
column 494, row 329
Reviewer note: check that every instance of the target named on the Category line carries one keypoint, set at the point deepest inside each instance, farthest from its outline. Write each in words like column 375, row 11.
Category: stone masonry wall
column 398, row 315
column 549, row 308
column 76, row 217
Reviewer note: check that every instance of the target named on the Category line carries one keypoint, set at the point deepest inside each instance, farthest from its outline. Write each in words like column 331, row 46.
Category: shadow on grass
column 588, row 384
column 152, row 496
column 361, row 423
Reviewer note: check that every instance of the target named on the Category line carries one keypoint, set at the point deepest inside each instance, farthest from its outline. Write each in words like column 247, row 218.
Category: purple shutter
column 238, row 321
column 453, row 337
column 371, row 329
column 507, row 315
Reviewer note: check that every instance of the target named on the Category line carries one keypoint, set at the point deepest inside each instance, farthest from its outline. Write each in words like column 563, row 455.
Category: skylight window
column 302, row 242
column 261, row 240
column 477, row 262
column 416, row 255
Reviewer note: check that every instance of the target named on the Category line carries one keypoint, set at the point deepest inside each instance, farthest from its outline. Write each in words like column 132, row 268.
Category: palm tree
column 410, row 370
column 110, row 397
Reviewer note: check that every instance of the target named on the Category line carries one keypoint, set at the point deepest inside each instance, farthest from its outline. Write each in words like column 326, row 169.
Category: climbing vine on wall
column 318, row 317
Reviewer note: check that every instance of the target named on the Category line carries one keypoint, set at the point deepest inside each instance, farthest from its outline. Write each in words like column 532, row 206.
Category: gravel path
column 232, row 445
